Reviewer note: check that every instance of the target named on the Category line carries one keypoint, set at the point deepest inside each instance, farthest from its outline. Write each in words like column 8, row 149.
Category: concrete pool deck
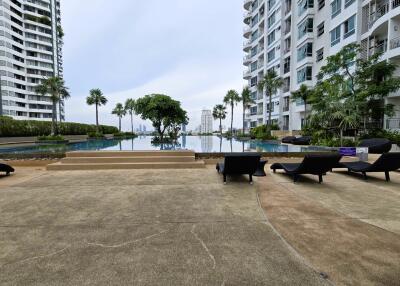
column 184, row 227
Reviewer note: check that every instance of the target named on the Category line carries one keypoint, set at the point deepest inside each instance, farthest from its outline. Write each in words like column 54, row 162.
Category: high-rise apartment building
column 30, row 50
column 296, row 37
column 206, row 122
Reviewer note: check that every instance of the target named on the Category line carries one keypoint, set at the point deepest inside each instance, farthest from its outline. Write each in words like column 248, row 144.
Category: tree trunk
column 120, row 119
column 244, row 116
column 232, row 120
column 270, row 112
column 97, row 118
column 220, row 126
column 54, row 119
column 59, row 108
column 305, row 112
column 341, row 137
column 132, row 122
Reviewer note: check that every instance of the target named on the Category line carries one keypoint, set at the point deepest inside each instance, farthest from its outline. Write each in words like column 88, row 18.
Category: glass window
column 271, row 20
column 304, row 51
column 320, row 54
column 349, row 26
column 271, row 38
column 271, row 55
column 320, row 29
column 336, row 7
column 304, row 74
column 305, row 27
column 347, row 3
column 303, row 5
column 335, row 36
column 321, row 4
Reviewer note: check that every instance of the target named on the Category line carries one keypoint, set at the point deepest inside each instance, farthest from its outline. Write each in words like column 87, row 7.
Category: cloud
column 196, row 86
column 190, row 50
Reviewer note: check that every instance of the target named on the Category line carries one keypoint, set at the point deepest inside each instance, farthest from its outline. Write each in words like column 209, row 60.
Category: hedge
column 25, row 128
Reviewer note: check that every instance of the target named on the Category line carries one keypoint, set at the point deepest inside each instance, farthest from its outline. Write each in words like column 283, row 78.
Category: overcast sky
column 190, row 50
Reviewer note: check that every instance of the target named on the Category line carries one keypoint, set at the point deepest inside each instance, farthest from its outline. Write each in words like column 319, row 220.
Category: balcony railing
column 285, row 108
column 395, row 43
column 382, row 10
column 393, row 123
column 395, row 3
column 381, row 48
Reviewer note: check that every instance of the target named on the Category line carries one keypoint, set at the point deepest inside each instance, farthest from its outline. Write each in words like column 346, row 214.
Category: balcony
column 393, row 124
column 395, row 43
column 247, row 74
column 381, row 11
column 395, row 4
column 380, row 48
column 285, row 108
column 247, row 45
column 247, row 59
column 246, row 32
column 247, row 17
column 247, row 4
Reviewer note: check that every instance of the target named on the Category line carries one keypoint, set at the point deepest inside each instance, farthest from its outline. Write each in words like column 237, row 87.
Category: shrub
column 51, row 138
column 262, row 133
column 95, row 135
column 393, row 136
column 25, row 128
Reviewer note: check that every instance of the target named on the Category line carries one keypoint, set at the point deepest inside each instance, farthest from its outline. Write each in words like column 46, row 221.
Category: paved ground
column 179, row 227
column 185, row 227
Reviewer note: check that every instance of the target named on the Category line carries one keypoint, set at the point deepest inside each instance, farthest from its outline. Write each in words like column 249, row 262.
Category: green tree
column 130, row 108
column 162, row 111
column 96, row 98
column 231, row 99
column 304, row 94
column 55, row 87
column 219, row 113
column 270, row 83
column 247, row 101
column 119, row 111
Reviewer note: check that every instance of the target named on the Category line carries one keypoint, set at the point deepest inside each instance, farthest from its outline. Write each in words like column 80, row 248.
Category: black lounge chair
column 314, row 164
column 304, row 140
column 288, row 139
column 239, row 164
column 377, row 145
column 388, row 162
column 6, row 169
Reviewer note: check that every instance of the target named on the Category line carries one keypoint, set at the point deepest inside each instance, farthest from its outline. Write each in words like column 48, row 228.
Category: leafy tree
column 130, row 108
column 270, row 83
column 247, row 101
column 120, row 111
column 96, row 98
column 219, row 113
column 305, row 94
column 231, row 99
column 55, row 87
column 162, row 111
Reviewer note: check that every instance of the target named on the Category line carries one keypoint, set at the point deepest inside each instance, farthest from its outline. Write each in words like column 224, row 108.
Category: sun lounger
column 6, row 169
column 388, row 162
column 239, row 164
column 313, row 164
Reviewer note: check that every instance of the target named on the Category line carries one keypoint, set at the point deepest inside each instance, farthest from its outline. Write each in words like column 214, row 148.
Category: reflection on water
column 206, row 144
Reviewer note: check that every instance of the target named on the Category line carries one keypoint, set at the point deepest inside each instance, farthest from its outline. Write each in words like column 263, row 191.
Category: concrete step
column 141, row 159
column 86, row 154
column 125, row 166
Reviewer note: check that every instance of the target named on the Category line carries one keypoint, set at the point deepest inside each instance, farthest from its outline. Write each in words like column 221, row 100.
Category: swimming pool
column 200, row 144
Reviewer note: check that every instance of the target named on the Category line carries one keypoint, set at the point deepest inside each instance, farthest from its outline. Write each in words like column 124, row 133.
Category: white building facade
column 295, row 37
column 30, row 50
column 206, row 126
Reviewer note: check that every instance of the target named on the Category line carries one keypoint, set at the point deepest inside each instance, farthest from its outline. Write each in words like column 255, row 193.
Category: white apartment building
column 206, row 122
column 295, row 37
column 30, row 50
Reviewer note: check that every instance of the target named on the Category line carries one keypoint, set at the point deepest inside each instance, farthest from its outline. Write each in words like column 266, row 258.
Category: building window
column 320, row 29
column 349, row 26
column 253, row 110
column 347, row 3
column 253, row 66
column 286, row 65
column 321, row 4
column 271, row 20
column 254, row 20
column 304, row 5
column 335, row 36
column 253, row 81
column 304, row 51
column 336, row 7
column 254, row 36
column 254, row 51
column 271, row 55
column 271, row 3
column 271, row 38
column 305, row 27
column 320, row 54
column 304, row 74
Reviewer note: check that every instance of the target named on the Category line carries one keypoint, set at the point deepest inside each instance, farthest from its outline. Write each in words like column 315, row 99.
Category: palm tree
column 304, row 93
column 96, row 98
column 55, row 87
column 247, row 101
column 130, row 108
column 219, row 113
column 232, row 98
column 62, row 99
column 271, row 83
column 120, row 111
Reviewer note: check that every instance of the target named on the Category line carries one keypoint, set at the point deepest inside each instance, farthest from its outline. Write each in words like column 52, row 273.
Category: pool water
column 200, row 144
